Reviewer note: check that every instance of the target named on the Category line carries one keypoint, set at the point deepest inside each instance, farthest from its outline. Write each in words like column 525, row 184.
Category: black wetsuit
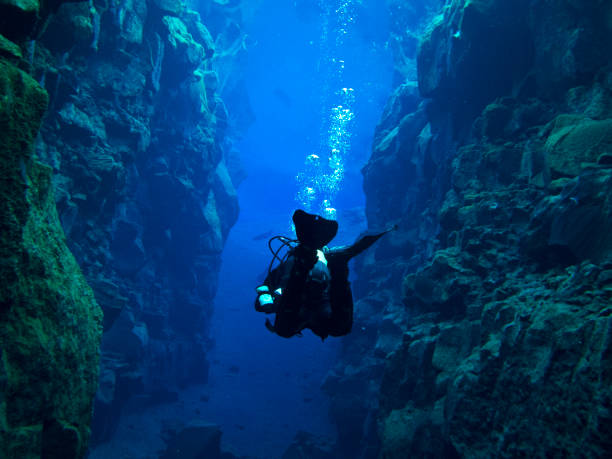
column 315, row 295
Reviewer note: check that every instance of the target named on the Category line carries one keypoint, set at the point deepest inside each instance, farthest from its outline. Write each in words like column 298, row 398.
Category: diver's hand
column 266, row 300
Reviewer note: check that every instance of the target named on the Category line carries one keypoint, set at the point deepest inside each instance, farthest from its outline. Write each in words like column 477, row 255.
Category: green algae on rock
column 576, row 140
column 50, row 322
column 9, row 50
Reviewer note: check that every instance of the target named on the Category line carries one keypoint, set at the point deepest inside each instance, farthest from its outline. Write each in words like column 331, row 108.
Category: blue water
column 291, row 79
column 291, row 83
column 262, row 388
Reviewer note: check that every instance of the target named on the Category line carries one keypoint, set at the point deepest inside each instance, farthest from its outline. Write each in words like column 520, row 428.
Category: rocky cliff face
column 49, row 320
column 144, row 177
column 499, row 342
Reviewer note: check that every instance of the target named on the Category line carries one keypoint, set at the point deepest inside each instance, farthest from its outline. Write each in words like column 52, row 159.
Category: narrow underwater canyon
column 482, row 326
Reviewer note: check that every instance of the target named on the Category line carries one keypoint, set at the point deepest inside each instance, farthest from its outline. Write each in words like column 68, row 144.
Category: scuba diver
column 310, row 286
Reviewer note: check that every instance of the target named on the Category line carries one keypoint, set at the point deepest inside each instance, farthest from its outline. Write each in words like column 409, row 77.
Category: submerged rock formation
column 50, row 322
column 144, row 179
column 499, row 341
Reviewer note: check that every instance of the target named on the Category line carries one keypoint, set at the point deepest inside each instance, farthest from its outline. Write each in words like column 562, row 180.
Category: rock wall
column 407, row 21
column 50, row 324
column 499, row 341
column 137, row 135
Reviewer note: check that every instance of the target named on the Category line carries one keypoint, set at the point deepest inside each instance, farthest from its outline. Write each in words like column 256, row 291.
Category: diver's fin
column 269, row 326
column 312, row 230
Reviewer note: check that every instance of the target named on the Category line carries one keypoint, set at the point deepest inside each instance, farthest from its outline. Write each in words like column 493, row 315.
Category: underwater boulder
column 133, row 23
column 472, row 52
column 171, row 7
column 495, row 119
column 351, row 393
column 394, row 169
column 534, row 380
column 412, row 401
column 575, row 225
column 109, row 297
column 184, row 50
column 115, row 78
column 476, row 51
column 413, row 428
column 307, row 445
column 408, row 372
column 127, row 337
column 117, row 380
column 225, row 198
column 78, row 123
column 71, row 25
column 405, row 99
column 197, row 440
column 128, row 253
column 389, row 336
column 189, row 314
column 431, row 58
column 212, row 239
column 570, row 43
column 593, row 101
column 441, row 285
column 20, row 17
column 574, row 141
column 486, row 166
column 199, row 31
column 10, row 50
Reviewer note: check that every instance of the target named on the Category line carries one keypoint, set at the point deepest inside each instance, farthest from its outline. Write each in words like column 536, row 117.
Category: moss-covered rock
column 9, row 50
column 538, row 384
column 576, row 224
column 50, row 322
column 575, row 141
column 184, row 48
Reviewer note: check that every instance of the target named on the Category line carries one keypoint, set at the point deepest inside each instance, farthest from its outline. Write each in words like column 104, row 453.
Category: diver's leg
column 286, row 324
column 340, row 289
column 341, row 321
column 288, row 320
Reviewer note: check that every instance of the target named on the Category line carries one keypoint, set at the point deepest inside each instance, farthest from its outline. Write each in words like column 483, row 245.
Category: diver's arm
column 361, row 244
